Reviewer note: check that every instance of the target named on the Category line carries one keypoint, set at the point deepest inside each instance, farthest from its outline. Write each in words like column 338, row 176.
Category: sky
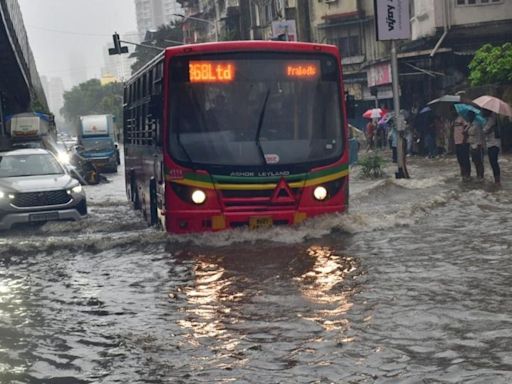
column 67, row 37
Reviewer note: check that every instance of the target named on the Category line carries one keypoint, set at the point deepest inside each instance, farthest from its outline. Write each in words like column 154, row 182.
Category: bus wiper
column 260, row 125
column 182, row 147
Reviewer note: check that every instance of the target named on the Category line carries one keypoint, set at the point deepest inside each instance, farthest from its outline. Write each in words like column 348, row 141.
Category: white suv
column 35, row 187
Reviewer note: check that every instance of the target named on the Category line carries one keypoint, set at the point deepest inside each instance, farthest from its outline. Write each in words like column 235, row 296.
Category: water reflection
column 329, row 282
column 13, row 315
column 264, row 308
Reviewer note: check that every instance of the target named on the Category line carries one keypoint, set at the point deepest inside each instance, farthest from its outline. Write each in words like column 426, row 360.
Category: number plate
column 44, row 216
column 258, row 222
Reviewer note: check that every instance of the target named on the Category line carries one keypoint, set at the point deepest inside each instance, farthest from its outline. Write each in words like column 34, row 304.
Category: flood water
column 411, row 286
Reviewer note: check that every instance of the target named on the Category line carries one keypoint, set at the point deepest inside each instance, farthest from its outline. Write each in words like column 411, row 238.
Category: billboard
column 379, row 74
column 392, row 19
column 284, row 28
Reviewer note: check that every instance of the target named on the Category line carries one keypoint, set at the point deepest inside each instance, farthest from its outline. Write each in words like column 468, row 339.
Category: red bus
column 229, row 134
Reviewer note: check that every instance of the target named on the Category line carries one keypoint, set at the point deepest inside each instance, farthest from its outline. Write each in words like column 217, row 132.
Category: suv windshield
column 255, row 109
column 29, row 165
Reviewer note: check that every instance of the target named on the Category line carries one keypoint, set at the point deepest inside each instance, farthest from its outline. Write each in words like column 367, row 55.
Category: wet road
column 412, row 286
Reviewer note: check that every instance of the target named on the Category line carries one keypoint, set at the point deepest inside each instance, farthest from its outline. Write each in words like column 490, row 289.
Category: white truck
column 31, row 129
column 96, row 142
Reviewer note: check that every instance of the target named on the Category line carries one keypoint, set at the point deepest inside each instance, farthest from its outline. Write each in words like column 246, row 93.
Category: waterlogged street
column 412, row 286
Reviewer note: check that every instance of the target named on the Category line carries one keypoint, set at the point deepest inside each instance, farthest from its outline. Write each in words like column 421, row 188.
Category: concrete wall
column 428, row 15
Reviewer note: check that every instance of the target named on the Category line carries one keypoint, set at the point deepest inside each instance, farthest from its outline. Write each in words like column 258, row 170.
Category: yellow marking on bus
column 299, row 217
column 218, row 222
column 260, row 187
column 325, row 179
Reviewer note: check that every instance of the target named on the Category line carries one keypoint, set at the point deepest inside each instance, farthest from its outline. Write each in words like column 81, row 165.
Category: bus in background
column 229, row 134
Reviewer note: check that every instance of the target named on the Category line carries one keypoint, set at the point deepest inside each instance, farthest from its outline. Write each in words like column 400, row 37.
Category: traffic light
column 118, row 49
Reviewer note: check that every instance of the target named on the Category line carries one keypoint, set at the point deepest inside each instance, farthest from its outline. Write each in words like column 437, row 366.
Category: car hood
column 36, row 183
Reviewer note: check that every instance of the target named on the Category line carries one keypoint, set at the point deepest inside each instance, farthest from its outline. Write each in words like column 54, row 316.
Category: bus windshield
column 251, row 109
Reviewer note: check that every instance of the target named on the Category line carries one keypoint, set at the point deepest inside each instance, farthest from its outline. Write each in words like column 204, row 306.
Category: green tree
column 90, row 98
column 165, row 36
column 491, row 65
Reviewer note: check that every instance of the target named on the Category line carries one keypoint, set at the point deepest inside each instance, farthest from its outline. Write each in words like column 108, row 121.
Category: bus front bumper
column 186, row 222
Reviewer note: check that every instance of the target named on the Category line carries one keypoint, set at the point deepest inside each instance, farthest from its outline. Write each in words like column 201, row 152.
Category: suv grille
column 39, row 199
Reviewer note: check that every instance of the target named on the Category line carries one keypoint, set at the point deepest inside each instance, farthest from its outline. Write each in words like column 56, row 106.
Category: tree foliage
column 491, row 65
column 165, row 36
column 90, row 98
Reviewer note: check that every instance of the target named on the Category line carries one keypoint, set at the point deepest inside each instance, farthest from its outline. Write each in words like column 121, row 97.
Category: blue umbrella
column 464, row 109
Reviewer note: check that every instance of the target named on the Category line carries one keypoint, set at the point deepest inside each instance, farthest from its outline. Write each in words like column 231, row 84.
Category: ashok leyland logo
column 392, row 18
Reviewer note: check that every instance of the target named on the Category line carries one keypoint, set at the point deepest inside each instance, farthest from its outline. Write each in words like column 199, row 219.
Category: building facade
column 445, row 34
column 54, row 90
column 153, row 13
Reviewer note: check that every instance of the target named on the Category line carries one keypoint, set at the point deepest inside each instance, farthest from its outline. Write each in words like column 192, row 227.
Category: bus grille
column 255, row 199
column 40, row 199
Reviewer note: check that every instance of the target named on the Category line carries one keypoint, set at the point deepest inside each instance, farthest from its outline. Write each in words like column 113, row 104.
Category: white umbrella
column 494, row 104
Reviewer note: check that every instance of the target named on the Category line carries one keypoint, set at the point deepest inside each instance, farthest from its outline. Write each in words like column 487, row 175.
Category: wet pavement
column 412, row 286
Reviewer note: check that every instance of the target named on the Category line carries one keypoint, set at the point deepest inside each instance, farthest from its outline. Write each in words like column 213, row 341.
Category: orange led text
column 211, row 72
column 302, row 70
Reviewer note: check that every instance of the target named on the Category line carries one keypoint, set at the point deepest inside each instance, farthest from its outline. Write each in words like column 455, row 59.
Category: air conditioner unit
column 331, row 1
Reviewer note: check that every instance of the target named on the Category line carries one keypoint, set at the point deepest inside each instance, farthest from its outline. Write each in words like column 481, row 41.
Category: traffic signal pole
column 399, row 118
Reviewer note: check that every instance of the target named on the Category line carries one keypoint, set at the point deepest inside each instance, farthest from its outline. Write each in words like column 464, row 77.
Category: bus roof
column 238, row 46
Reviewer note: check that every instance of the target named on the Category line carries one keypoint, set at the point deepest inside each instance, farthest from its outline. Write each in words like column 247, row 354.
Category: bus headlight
column 2, row 194
column 198, row 197
column 320, row 193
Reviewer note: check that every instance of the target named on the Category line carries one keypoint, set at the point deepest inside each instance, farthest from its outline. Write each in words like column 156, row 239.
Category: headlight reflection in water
column 328, row 283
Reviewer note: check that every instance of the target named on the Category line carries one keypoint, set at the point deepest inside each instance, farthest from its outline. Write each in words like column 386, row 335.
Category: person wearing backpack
column 493, row 142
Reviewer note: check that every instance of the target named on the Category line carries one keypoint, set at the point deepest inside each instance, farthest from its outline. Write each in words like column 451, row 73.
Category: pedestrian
column 476, row 144
column 440, row 135
column 462, row 148
column 430, row 137
column 370, row 134
column 393, row 140
column 493, row 142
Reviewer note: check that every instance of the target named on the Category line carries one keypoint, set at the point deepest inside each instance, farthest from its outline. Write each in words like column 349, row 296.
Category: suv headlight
column 75, row 189
column 4, row 195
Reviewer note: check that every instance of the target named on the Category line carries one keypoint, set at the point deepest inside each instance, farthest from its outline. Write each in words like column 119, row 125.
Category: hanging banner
column 379, row 74
column 285, row 29
column 392, row 19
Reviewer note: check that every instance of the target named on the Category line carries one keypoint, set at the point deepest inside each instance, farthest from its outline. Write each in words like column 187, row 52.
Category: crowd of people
column 432, row 135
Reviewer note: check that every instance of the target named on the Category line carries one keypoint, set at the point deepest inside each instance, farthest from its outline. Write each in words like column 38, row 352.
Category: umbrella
column 388, row 116
column 494, row 104
column 373, row 113
column 464, row 109
column 443, row 105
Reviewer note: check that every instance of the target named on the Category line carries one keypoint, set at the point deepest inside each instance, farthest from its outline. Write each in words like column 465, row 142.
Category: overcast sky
column 68, row 36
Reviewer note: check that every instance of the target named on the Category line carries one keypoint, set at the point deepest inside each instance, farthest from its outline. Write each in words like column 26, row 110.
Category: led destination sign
column 303, row 70
column 211, row 72
column 214, row 71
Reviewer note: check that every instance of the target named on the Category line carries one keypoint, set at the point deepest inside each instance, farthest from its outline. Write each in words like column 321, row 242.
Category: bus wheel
column 153, row 202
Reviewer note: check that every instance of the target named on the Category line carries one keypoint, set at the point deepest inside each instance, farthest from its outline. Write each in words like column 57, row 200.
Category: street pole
column 399, row 119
